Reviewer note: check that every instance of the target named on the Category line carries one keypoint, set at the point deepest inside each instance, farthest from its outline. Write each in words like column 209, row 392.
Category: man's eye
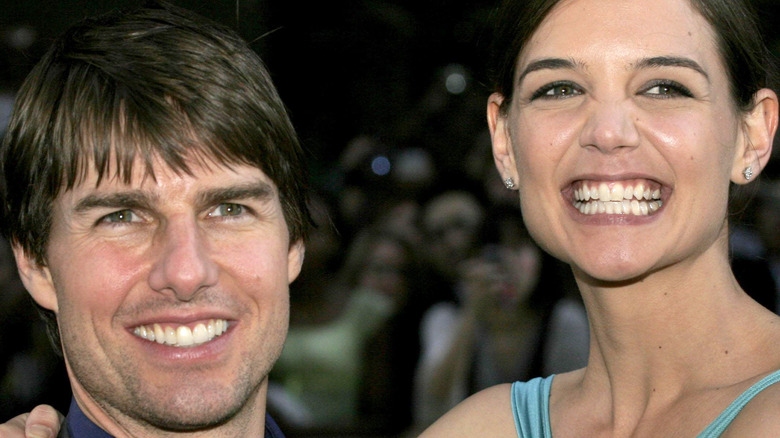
column 557, row 90
column 667, row 89
column 120, row 216
column 228, row 209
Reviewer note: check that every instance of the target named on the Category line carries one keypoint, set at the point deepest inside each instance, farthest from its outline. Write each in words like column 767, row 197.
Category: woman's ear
column 36, row 279
column 499, row 135
column 759, row 127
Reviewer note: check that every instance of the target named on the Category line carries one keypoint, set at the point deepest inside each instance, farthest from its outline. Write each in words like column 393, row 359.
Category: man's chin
column 188, row 424
column 189, row 407
column 189, row 415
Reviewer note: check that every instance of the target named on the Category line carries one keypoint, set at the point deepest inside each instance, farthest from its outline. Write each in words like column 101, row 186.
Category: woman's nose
column 610, row 127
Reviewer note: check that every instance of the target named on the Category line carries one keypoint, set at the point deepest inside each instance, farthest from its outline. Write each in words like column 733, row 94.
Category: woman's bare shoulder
column 486, row 413
column 759, row 417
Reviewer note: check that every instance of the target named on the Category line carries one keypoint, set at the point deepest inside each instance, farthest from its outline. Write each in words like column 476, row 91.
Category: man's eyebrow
column 137, row 199
column 131, row 199
column 547, row 64
column 259, row 190
column 671, row 61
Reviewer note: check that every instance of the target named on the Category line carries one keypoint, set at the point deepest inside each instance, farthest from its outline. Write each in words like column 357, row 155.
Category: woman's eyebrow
column 547, row 64
column 671, row 61
column 654, row 62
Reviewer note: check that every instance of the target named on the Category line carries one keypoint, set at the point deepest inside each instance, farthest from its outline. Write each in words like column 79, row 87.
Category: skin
column 42, row 422
column 637, row 93
column 173, row 249
column 622, row 127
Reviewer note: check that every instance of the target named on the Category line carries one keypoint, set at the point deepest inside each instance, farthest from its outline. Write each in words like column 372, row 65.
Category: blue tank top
column 531, row 407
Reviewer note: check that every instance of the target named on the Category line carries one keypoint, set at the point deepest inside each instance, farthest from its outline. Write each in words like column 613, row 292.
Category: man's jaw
column 181, row 335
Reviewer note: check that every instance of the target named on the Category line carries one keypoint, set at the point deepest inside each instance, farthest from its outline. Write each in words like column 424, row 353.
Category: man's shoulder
column 272, row 429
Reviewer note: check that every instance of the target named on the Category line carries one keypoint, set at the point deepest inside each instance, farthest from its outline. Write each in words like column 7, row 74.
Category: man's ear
column 36, row 279
column 499, row 135
column 295, row 257
column 759, row 127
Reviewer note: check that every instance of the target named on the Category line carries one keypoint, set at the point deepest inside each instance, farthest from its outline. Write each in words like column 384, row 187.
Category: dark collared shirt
column 77, row 425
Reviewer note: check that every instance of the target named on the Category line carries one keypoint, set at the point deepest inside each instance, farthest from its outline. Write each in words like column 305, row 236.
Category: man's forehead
column 160, row 178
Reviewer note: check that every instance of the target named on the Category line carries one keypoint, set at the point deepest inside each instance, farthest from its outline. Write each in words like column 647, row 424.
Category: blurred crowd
column 420, row 285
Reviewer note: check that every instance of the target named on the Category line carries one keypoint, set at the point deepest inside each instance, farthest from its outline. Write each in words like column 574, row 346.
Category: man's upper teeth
column 182, row 336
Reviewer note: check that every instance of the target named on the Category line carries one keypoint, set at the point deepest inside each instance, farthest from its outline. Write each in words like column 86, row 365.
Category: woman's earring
column 510, row 184
column 748, row 173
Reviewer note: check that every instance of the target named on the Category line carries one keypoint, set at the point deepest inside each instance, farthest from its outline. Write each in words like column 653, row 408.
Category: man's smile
column 179, row 335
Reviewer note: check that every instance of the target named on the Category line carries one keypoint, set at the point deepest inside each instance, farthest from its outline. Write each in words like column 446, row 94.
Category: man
column 153, row 191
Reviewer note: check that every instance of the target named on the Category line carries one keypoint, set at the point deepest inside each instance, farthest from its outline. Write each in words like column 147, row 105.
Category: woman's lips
column 637, row 197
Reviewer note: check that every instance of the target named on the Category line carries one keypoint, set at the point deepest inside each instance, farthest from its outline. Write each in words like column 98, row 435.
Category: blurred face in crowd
column 451, row 222
column 622, row 135
column 385, row 270
column 171, row 292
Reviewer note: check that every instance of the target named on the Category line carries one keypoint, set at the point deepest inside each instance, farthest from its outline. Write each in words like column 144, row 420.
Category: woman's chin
column 612, row 274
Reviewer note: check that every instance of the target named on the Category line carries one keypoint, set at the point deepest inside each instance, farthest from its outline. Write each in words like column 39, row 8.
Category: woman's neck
column 658, row 332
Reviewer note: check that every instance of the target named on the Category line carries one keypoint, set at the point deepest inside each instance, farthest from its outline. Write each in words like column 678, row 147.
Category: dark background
column 342, row 67
column 346, row 70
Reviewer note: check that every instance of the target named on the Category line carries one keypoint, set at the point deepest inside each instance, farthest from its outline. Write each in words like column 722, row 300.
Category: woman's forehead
column 621, row 29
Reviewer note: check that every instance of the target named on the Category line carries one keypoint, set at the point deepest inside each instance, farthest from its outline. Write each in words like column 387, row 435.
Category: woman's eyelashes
column 657, row 89
column 557, row 90
column 665, row 89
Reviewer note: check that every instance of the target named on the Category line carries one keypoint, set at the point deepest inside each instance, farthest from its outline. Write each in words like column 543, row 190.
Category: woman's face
column 611, row 95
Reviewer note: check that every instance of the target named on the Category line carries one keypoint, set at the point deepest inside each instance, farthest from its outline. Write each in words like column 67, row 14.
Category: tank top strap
column 719, row 425
column 531, row 407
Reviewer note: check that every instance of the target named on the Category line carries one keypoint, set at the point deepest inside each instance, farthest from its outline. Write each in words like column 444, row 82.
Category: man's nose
column 183, row 264
column 610, row 127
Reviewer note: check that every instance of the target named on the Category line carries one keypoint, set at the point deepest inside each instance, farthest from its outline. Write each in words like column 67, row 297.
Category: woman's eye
column 667, row 90
column 557, row 90
column 121, row 216
column 228, row 209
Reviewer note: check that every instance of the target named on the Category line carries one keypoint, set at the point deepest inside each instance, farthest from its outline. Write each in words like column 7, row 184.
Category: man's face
column 144, row 277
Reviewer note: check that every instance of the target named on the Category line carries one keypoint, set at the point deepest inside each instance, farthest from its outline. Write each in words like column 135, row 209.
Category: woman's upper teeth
column 638, row 198
column 616, row 191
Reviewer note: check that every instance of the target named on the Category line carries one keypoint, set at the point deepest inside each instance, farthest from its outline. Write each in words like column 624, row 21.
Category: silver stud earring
column 509, row 183
column 748, row 173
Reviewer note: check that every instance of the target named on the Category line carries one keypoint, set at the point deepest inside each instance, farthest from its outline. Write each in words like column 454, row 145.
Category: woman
column 622, row 124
